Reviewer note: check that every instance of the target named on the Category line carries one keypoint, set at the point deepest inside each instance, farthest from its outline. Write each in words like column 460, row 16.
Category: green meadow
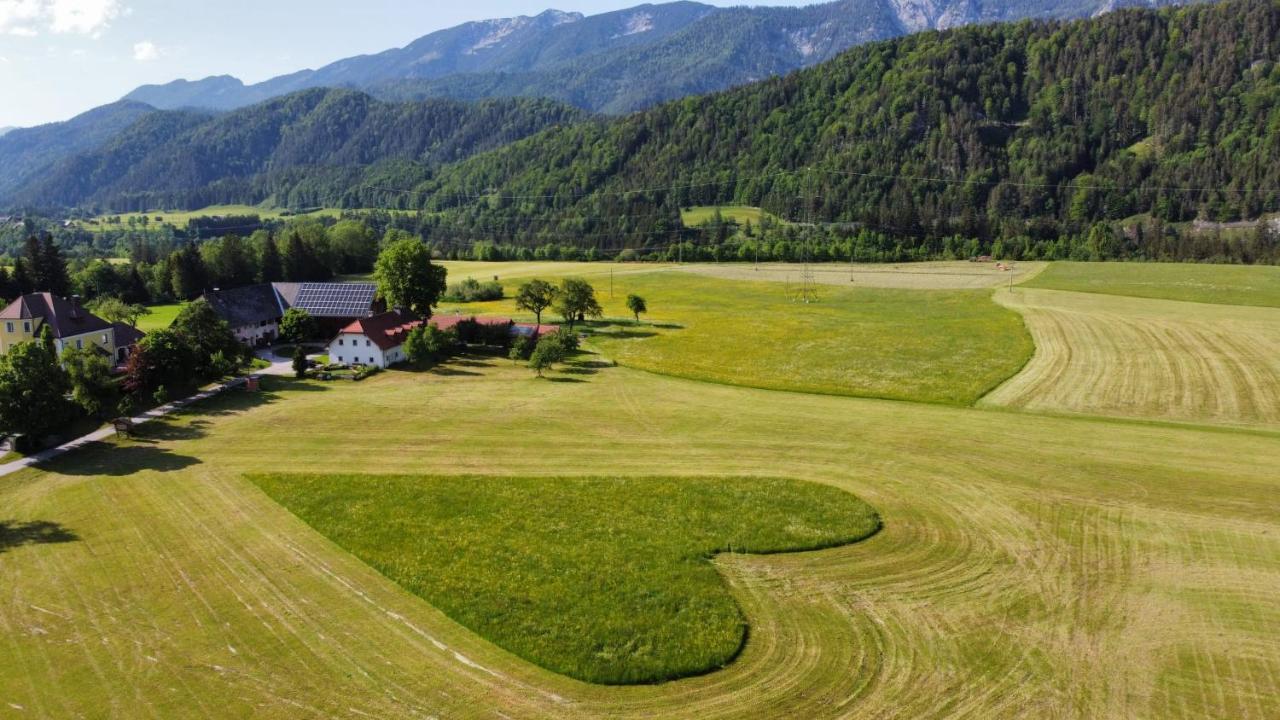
column 947, row 346
column 608, row 580
column 1256, row 285
column 697, row 216
column 161, row 317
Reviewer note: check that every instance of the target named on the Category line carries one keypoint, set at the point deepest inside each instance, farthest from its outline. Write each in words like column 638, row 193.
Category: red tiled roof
column 387, row 330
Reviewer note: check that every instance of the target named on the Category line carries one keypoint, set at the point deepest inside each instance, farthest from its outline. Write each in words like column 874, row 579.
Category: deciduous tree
column 636, row 305
column 408, row 279
column 576, row 301
column 536, row 296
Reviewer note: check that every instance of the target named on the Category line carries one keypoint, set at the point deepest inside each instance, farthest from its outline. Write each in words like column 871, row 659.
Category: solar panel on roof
column 346, row 300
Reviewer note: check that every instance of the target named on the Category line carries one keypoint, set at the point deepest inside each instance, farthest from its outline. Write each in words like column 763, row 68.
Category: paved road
column 106, row 432
column 278, row 366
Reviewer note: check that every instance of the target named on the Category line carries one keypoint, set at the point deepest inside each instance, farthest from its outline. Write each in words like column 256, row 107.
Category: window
column 104, row 338
column 8, row 327
column 368, row 344
column 79, row 344
column 341, row 342
column 370, row 361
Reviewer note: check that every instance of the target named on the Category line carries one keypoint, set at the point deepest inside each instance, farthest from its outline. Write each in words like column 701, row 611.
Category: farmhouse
column 254, row 311
column 377, row 340
column 73, row 326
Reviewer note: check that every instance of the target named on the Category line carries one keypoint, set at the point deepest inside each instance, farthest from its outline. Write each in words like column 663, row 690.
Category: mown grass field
column 936, row 346
column 701, row 215
column 161, row 317
column 1253, row 285
column 1030, row 565
column 1141, row 358
column 604, row 579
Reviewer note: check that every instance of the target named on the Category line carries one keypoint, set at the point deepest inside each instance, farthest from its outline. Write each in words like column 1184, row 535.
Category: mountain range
column 328, row 137
column 191, row 143
column 621, row 61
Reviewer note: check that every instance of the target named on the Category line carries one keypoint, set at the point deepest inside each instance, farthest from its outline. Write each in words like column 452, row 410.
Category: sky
column 59, row 58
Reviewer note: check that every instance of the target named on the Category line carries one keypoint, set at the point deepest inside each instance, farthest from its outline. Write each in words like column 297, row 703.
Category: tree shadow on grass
column 14, row 534
column 565, row 380
column 109, row 460
column 446, row 371
column 629, row 335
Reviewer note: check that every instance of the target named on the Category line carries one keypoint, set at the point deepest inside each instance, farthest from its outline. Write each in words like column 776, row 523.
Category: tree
column 521, row 349
column 47, row 341
column 22, row 280
column 8, row 288
column 576, row 301
column 427, row 343
column 636, row 305
column 33, row 390
column 536, row 296
column 408, row 279
column 89, row 372
column 229, row 263
column 354, row 246
column 547, row 353
column 299, row 362
column 205, row 333
column 162, row 358
column 114, row 309
column 188, row 274
column 270, row 269
column 298, row 326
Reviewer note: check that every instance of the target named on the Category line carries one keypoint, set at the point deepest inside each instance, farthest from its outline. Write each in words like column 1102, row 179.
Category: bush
column 521, row 348
column 366, row 372
column 472, row 290
column 427, row 343
column 472, row 332
column 566, row 339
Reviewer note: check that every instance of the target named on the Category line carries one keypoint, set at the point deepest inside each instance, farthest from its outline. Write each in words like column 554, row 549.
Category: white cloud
column 77, row 17
column 146, row 51
column 82, row 17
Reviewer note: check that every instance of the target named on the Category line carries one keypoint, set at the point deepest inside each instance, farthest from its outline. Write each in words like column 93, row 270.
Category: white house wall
column 351, row 349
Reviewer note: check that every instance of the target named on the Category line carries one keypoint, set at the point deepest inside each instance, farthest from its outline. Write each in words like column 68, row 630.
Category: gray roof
column 246, row 306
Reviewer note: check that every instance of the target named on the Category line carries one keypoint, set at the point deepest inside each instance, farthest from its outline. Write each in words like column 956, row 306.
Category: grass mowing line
column 1249, row 285
column 605, row 580
column 1147, row 359
column 1033, row 566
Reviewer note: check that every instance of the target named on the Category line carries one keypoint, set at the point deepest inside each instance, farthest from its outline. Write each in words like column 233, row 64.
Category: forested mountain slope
column 25, row 152
column 624, row 60
column 314, row 137
column 1032, row 129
